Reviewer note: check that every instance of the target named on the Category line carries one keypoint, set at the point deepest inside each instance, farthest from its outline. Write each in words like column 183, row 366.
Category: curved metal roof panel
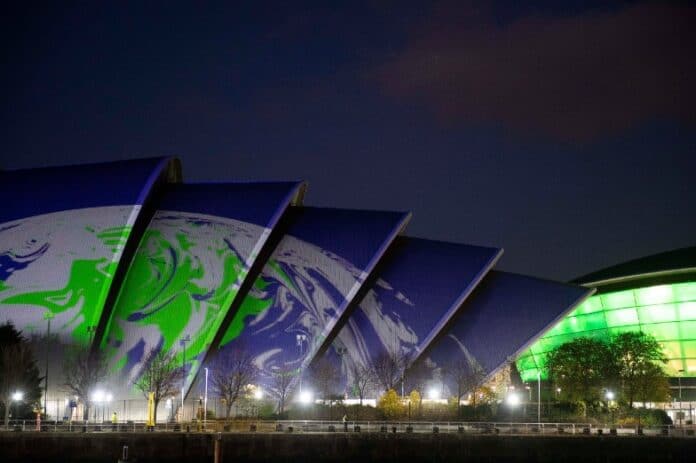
column 419, row 285
column 31, row 192
column 307, row 284
column 191, row 262
column 502, row 317
column 63, row 234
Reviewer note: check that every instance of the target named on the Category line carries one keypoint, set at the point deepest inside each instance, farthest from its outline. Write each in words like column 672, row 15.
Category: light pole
column 258, row 395
column 17, row 396
column 513, row 400
column 539, row 396
column 301, row 338
column 205, row 399
column 48, row 315
column 183, row 342
column 680, row 412
column 610, row 397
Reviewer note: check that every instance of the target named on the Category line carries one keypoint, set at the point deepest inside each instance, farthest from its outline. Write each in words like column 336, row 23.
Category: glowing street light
column 98, row 396
column 513, row 399
column 610, row 395
column 434, row 394
column 258, row 393
column 17, row 396
column 305, row 397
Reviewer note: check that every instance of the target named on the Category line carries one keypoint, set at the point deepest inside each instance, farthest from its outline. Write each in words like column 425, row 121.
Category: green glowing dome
column 655, row 294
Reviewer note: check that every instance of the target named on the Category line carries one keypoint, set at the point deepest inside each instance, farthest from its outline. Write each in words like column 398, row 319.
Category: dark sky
column 563, row 132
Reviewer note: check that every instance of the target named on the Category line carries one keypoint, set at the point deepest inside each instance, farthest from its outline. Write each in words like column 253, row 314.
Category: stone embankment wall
column 339, row 447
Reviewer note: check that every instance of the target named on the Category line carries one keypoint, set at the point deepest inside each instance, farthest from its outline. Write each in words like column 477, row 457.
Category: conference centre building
column 126, row 259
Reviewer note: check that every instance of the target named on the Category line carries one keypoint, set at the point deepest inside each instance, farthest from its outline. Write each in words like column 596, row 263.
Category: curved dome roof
column 666, row 267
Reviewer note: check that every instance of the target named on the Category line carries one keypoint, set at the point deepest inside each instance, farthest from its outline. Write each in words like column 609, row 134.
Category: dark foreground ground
column 340, row 447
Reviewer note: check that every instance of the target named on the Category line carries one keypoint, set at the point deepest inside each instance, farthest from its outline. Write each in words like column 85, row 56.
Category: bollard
column 124, row 455
column 639, row 431
column 612, row 432
column 332, row 428
column 394, row 429
column 586, row 430
column 409, row 429
column 252, row 428
column 356, row 428
column 290, row 429
column 600, row 431
column 217, row 456
column 279, row 427
column 460, row 429
column 436, row 429
column 382, row 429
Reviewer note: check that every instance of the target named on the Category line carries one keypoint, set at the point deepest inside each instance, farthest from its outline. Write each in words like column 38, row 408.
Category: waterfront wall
column 339, row 447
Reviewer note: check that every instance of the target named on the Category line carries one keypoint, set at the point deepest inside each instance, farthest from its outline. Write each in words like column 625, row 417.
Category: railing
column 317, row 426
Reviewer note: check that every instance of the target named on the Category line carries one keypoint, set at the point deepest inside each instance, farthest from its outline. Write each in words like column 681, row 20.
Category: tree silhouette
column 232, row 373
column 84, row 371
column 18, row 371
column 162, row 376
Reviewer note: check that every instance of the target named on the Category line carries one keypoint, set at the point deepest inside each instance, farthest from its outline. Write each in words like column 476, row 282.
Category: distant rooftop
column 665, row 267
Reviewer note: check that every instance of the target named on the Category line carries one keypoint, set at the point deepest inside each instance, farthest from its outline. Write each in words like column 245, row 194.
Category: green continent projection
column 186, row 272
column 667, row 312
column 61, row 266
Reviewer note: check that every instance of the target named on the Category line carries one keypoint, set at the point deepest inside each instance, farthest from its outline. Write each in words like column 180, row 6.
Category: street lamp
column 183, row 342
column 610, row 397
column 48, row 315
column 513, row 400
column 538, row 396
column 205, row 400
column 301, row 339
column 305, row 397
column 434, row 394
column 258, row 395
column 17, row 396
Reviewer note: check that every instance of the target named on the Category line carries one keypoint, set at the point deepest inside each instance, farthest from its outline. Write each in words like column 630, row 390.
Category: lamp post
column 538, row 396
column 17, row 396
column 513, row 400
column 183, row 342
column 48, row 315
column 610, row 397
column 301, row 339
column 258, row 395
column 205, row 399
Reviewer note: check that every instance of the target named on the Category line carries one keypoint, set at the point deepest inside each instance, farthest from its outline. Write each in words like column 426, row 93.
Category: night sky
column 564, row 133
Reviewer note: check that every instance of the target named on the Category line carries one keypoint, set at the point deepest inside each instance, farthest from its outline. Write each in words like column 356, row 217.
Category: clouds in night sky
column 576, row 77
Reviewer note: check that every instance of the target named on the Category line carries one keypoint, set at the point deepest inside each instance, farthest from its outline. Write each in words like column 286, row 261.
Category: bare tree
column 232, row 373
column 388, row 368
column 416, row 378
column 361, row 379
column 84, row 370
column 162, row 376
column 324, row 375
column 281, row 387
column 466, row 375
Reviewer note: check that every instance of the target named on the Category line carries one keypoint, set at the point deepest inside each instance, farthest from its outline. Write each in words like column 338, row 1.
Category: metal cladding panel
column 189, row 266
column 62, row 233
column 420, row 285
column 502, row 317
column 306, row 285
